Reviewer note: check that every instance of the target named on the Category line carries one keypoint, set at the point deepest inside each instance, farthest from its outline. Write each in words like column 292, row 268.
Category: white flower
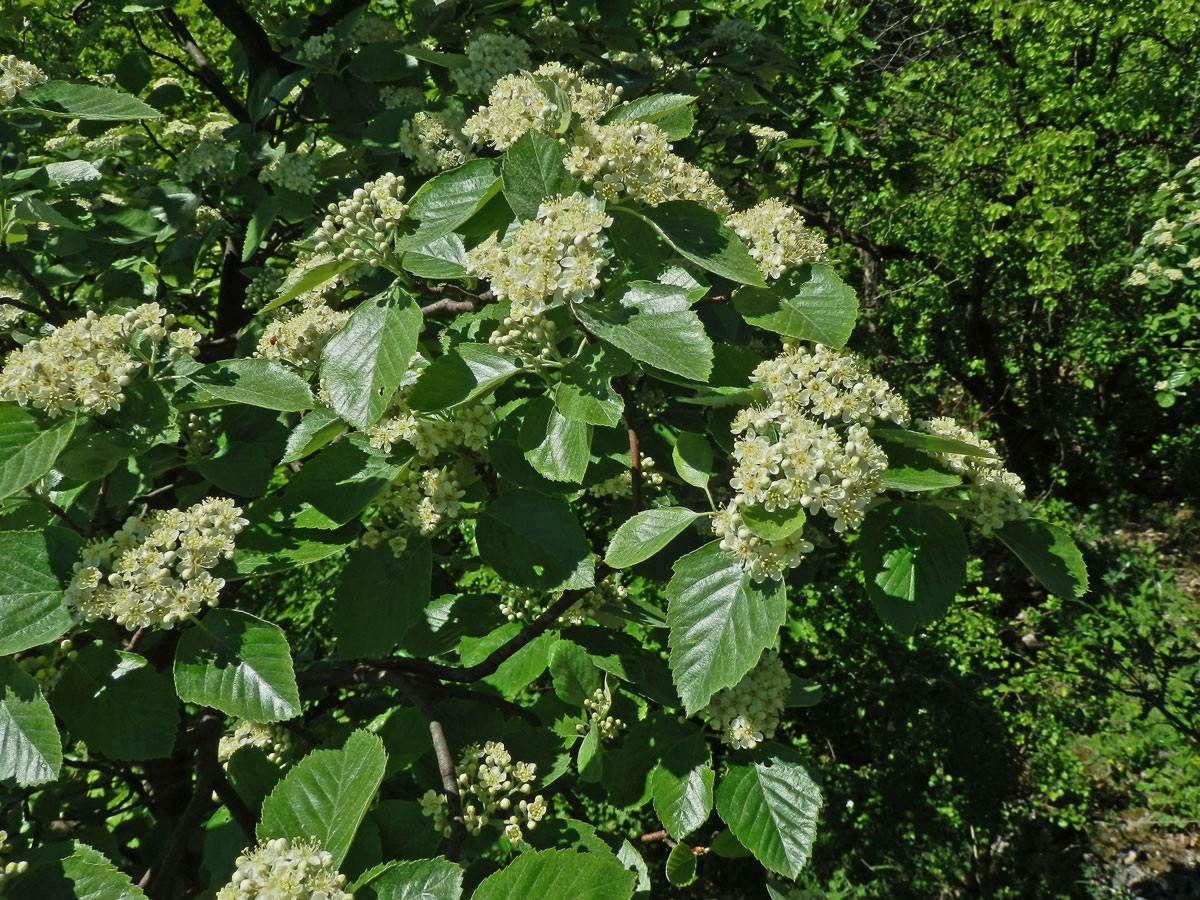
column 490, row 56
column 362, row 227
column 281, row 869
column 777, row 237
column 748, row 713
column 434, row 141
column 994, row 495
column 489, row 784
column 298, row 339
column 16, row 75
column 271, row 738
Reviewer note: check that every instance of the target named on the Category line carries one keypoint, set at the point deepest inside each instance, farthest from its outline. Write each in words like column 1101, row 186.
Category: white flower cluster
column 647, row 62
column 518, row 603
column 531, row 339
column 434, row 141
column 545, row 261
column 46, row 667
column 395, row 97
column 518, row 104
column 806, row 447
column 9, row 315
column 363, row 226
column 420, row 503
column 373, row 29
column 197, row 435
column 777, row 237
column 272, row 739
column 467, row 425
column 1170, row 250
column 489, row 56
column 292, row 171
column 553, row 30
column 490, row 785
column 281, row 869
column 85, row 365
column 205, row 217
column 635, row 158
column 116, row 140
column 622, row 485
column 206, row 154
column 598, row 707
column 154, row 570
column 317, row 47
column 765, row 136
column 12, row 867
column 738, row 34
column 994, row 494
column 748, row 713
column 299, row 339
column 17, row 75
column 263, row 287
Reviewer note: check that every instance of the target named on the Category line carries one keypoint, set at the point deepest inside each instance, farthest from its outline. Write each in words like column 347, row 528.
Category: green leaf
column 73, row 871
column 30, row 749
column 573, row 673
column 720, row 622
column 681, row 865
column 773, row 526
column 534, row 540
column 693, row 457
column 27, row 451
column 585, row 392
column 915, row 559
column 558, row 875
column 117, row 704
column 930, row 443
column 412, row 879
column 307, row 279
column 256, row 228
column 771, row 807
column 654, row 324
column 448, row 200
column 668, row 111
column 699, row 235
column 445, row 257
column 260, row 550
column 809, row 302
column 466, row 372
column 336, row 485
column 37, row 566
column 559, row 448
column 910, row 469
column 239, row 664
column 1049, row 553
column 532, row 170
column 646, row 533
column 86, row 101
column 315, row 430
column 379, row 597
column 326, row 795
column 589, row 759
column 255, row 382
column 363, row 364
column 683, row 799
column 520, row 669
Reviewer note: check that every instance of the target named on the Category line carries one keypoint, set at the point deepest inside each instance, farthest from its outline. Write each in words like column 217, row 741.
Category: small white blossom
column 281, row 869
column 994, row 495
column 299, row 339
column 490, row 784
column 273, row 739
column 777, row 237
column 434, row 141
column 489, row 56
column 17, row 75
column 748, row 713
column 363, row 226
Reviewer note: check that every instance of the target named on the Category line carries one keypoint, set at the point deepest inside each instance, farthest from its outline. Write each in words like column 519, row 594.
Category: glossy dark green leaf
column 647, row 533
column 810, row 302
column 681, row 865
column 30, row 749
column 28, row 449
column 466, row 372
column 37, row 567
column 1049, row 553
column 701, row 237
column 559, row 875
column 255, row 382
column 86, row 101
column 532, row 171
column 379, row 597
column 534, row 540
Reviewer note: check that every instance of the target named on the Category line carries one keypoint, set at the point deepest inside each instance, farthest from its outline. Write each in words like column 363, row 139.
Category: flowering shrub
column 439, row 400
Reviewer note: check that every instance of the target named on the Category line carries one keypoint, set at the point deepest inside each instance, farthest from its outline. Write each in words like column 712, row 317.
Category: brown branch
column 89, row 531
column 254, row 40
column 56, row 509
column 448, row 305
column 207, row 72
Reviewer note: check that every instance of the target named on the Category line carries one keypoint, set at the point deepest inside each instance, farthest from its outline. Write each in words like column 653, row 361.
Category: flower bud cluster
column 418, row 503
column 197, row 435
column 764, row 136
column 263, row 287
column 205, row 217
column 994, row 494
column 45, row 668
column 299, row 339
column 489, row 56
column 17, row 75
column 519, row 603
column 363, row 226
column 12, row 867
column 207, row 155
column 281, row 869
column 647, row 62
column 531, row 339
column 777, row 237
column 635, row 158
column 518, row 104
column 597, row 708
column 622, row 485
column 9, row 315
column 748, row 713
column 434, row 141
column 272, row 739
column 292, row 171
column 806, row 447
column 467, row 426
column 85, row 365
column 154, row 570
column 554, row 258
column 490, row 785
column 552, row 31
column 114, row 141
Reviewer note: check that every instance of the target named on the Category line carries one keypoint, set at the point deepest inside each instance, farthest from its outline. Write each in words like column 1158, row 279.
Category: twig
column 56, row 509
column 448, row 305
column 53, row 313
column 97, row 509
column 635, row 456
column 206, row 71
column 660, row 835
